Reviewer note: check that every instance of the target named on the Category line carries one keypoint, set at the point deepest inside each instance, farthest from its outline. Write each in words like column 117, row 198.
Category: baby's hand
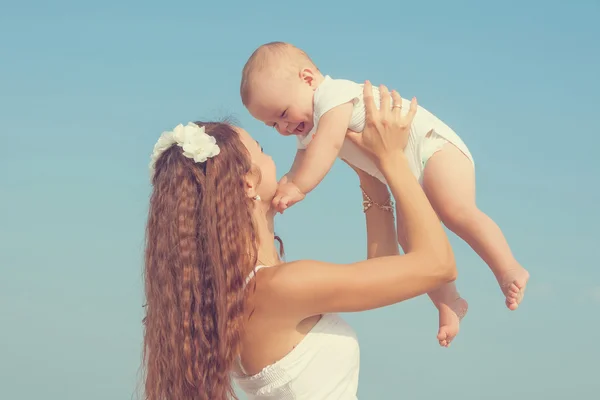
column 287, row 195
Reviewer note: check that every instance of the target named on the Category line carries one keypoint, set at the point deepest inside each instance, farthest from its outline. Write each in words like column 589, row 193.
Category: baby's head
column 278, row 83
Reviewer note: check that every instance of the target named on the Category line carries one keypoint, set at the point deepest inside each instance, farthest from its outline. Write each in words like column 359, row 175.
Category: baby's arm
column 311, row 167
column 298, row 160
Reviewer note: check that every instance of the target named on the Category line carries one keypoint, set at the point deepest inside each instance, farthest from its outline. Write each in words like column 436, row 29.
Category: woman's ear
column 252, row 182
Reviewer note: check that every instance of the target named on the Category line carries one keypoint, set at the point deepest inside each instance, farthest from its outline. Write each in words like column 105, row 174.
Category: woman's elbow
column 449, row 271
column 445, row 265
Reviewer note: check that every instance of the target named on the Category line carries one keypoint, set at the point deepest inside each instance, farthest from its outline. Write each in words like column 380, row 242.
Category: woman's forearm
column 422, row 228
column 381, row 231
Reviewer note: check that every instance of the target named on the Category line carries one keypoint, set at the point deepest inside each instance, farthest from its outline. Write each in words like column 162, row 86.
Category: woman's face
column 268, row 179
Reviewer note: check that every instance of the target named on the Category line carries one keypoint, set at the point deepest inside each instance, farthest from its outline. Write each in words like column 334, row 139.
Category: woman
column 215, row 312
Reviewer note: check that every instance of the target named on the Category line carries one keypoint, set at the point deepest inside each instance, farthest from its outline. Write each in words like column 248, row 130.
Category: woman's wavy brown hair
column 201, row 243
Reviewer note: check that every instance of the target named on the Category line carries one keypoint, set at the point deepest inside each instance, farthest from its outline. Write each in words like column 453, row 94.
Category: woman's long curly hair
column 201, row 243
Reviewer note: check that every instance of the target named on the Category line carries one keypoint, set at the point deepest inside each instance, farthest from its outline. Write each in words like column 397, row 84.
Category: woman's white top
column 323, row 366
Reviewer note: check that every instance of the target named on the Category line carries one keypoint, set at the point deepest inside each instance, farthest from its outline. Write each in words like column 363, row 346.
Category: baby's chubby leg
column 449, row 182
column 451, row 307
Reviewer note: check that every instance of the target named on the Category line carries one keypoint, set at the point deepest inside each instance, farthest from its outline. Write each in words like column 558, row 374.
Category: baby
column 282, row 87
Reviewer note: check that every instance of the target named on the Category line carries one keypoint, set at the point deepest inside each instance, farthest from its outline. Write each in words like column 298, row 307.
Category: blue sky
column 85, row 90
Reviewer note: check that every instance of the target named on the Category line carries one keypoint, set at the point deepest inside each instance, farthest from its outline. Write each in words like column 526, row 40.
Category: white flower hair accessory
column 193, row 139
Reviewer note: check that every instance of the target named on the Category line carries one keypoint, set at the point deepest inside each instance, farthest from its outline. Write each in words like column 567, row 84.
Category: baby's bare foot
column 450, row 316
column 513, row 283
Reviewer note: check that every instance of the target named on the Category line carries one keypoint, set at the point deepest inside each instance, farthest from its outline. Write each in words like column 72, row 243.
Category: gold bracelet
column 368, row 203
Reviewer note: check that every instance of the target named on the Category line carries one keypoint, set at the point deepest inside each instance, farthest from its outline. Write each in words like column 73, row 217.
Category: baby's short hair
column 278, row 55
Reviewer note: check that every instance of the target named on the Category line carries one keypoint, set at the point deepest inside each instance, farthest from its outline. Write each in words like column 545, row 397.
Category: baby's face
column 285, row 103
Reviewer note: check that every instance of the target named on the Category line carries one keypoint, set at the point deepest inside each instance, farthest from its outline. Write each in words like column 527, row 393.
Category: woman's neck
column 267, row 252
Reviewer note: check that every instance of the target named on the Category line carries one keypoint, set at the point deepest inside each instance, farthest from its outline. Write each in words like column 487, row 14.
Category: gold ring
column 396, row 106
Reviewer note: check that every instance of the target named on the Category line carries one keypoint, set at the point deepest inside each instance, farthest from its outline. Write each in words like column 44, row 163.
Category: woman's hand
column 386, row 130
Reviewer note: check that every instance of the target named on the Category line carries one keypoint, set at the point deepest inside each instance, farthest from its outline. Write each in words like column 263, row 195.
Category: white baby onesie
column 420, row 147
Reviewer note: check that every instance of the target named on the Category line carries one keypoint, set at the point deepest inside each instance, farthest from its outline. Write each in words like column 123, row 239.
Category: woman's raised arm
column 306, row 288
